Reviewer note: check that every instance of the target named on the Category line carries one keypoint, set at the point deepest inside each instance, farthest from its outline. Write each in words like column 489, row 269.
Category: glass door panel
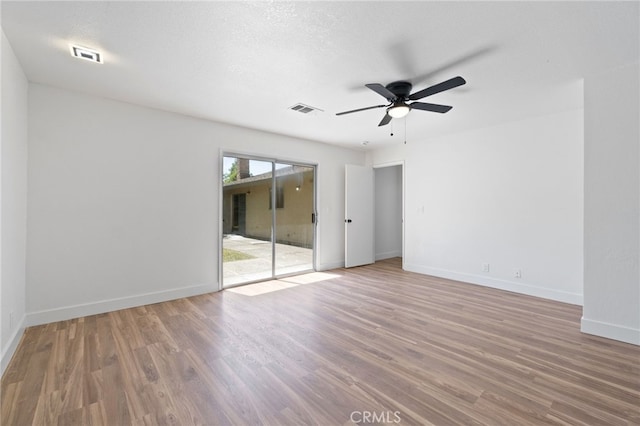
column 294, row 230
column 247, row 220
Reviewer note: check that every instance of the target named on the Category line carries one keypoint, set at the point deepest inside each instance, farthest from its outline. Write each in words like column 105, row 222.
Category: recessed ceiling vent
column 86, row 53
column 304, row 109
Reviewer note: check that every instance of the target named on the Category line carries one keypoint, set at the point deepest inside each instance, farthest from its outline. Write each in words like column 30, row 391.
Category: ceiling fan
column 398, row 93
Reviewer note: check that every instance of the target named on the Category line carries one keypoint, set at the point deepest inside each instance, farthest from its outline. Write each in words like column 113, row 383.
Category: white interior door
column 359, row 221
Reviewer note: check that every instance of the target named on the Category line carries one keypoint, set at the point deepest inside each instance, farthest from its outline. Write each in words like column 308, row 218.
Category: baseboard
column 7, row 353
column 610, row 331
column 530, row 290
column 388, row 255
column 329, row 266
column 76, row 311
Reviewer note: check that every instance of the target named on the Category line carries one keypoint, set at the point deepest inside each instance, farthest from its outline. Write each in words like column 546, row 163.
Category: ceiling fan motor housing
column 402, row 89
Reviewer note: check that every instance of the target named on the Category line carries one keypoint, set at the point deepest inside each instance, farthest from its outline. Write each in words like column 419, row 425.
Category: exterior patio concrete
column 289, row 260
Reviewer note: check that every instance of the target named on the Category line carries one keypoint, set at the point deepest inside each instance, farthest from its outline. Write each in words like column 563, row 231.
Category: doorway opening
column 268, row 219
column 239, row 219
column 388, row 207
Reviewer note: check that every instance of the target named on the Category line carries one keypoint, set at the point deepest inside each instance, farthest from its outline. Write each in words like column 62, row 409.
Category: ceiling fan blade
column 360, row 109
column 385, row 120
column 430, row 107
column 382, row 91
column 437, row 88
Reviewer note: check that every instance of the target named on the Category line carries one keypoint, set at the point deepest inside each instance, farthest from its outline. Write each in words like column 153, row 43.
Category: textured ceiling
column 245, row 63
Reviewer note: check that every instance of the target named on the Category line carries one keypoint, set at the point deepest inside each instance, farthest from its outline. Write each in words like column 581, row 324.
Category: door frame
column 402, row 190
column 219, row 182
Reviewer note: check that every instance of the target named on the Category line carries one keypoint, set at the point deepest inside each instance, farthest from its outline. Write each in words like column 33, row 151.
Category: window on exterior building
column 279, row 198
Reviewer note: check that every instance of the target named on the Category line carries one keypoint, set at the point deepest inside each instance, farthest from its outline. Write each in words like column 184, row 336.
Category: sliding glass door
column 267, row 219
column 294, row 230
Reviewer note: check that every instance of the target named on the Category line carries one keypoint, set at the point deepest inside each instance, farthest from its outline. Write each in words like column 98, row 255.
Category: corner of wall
column 610, row 331
column 612, row 205
column 12, row 345
column 13, row 201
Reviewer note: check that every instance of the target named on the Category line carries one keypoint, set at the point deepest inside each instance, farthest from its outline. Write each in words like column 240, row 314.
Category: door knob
column 348, row 221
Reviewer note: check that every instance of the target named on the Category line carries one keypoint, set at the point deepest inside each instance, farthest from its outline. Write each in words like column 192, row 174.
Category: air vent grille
column 304, row 109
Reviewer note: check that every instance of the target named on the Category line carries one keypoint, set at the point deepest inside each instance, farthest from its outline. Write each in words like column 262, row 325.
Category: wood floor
column 370, row 345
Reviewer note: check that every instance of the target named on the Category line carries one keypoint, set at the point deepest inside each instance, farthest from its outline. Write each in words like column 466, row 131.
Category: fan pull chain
column 405, row 130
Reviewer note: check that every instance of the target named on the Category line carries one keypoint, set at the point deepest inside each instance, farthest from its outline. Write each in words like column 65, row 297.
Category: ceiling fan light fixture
column 399, row 110
column 86, row 53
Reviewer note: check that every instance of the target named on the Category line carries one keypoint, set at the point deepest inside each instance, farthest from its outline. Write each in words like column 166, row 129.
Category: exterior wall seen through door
column 292, row 219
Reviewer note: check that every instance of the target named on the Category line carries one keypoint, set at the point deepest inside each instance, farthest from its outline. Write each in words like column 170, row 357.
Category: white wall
column 13, row 211
column 612, row 205
column 388, row 212
column 510, row 196
column 124, row 202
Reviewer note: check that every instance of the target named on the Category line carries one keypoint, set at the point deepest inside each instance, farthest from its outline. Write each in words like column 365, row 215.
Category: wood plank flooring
column 366, row 345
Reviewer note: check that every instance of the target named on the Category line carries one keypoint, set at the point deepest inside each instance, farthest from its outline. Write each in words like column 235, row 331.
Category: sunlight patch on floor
column 274, row 285
column 311, row 278
column 261, row 288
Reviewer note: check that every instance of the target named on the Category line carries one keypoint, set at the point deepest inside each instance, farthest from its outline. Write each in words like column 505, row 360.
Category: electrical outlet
column 517, row 273
column 485, row 267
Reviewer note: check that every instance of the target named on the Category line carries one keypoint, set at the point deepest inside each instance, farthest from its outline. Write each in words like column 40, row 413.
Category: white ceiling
column 247, row 63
